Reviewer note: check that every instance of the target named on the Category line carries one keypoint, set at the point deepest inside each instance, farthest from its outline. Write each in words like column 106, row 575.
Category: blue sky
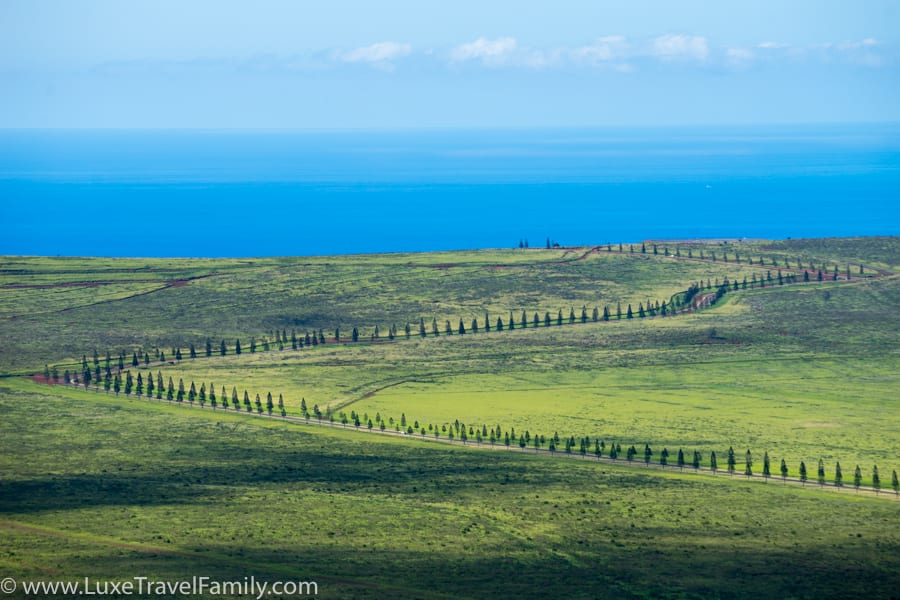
column 340, row 64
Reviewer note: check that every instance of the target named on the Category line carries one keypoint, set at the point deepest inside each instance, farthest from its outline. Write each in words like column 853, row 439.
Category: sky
column 271, row 64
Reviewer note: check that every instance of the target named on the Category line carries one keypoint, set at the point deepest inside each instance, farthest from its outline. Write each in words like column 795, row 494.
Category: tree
column 474, row 325
column 647, row 454
column 247, row 406
column 820, row 472
column 499, row 324
column 680, row 458
column 193, row 351
column 237, row 346
column 160, row 386
column 355, row 335
column 434, row 327
column 270, row 406
column 222, row 349
column 713, row 461
column 696, row 462
column 192, row 393
column 606, row 312
column 664, row 457
column 767, row 471
column 462, row 328
column 895, row 482
column 803, row 474
column 212, row 396
column 731, row 460
column 547, row 321
column 595, row 316
column 838, row 476
column 201, row 395
column 337, row 334
column 180, row 396
column 630, row 314
column 876, row 479
column 512, row 321
column 857, row 478
column 421, row 328
column 208, row 347
column 784, row 470
column 748, row 464
column 259, row 407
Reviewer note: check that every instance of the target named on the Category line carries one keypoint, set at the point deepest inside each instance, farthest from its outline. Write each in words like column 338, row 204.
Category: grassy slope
column 243, row 298
column 116, row 487
column 128, row 488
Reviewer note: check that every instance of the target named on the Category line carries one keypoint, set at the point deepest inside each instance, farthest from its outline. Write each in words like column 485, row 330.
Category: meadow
column 111, row 485
column 129, row 488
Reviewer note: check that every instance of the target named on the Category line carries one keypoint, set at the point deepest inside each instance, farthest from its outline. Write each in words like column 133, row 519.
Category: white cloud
column 771, row 45
column 680, row 47
column 602, row 50
column 380, row 52
column 489, row 51
column 866, row 43
column 739, row 55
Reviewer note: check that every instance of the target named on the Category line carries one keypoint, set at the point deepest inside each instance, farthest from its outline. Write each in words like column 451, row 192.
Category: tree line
column 597, row 447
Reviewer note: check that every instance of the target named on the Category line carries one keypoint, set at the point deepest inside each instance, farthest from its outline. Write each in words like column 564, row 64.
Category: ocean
column 180, row 193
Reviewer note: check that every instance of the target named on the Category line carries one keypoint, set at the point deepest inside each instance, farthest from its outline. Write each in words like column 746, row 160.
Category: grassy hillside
column 113, row 486
column 124, row 489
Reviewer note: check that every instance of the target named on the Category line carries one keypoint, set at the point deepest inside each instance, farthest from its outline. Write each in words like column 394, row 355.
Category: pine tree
column 748, row 464
column 876, row 479
column 201, row 395
column 284, row 413
column 234, row 399
column 237, row 346
column 247, row 406
column 784, row 470
column 680, row 459
column 270, row 406
column 559, row 318
column 895, row 481
column 803, row 474
column 820, row 472
column 193, row 351
column 857, row 478
column 595, row 316
column 767, row 471
column 512, row 321
column 192, row 393
column 713, row 462
column 462, row 328
column 222, row 349
column 487, row 322
column 731, row 460
column 259, row 406
column 838, row 476
column 630, row 314
column 355, row 335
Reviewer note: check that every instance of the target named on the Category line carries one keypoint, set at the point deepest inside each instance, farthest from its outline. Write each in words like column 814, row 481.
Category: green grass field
column 107, row 486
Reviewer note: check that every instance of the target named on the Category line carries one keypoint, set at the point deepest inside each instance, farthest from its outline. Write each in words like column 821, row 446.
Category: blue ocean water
column 227, row 193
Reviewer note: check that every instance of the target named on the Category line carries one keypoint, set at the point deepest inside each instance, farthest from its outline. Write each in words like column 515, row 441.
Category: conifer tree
column 784, row 470
column 748, row 464
column 857, row 478
column 222, row 349
column 270, row 406
column 713, row 462
column 803, row 474
column 876, row 479
column 838, row 476
column 766, row 466
column 820, row 472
